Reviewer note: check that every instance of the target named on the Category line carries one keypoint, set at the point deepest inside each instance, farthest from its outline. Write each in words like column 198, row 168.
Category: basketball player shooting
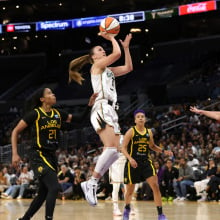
column 103, row 117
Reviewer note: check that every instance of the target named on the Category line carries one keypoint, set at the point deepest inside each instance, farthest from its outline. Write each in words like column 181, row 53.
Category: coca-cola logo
column 197, row 7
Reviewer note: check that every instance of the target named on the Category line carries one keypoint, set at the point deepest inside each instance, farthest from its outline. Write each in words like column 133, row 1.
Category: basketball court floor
column 145, row 210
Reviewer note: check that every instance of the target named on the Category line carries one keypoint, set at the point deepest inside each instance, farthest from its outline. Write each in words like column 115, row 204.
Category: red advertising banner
column 197, row 7
column 10, row 28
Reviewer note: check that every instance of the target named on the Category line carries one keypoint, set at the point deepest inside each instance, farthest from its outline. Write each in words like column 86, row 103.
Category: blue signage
column 87, row 22
column 70, row 24
column 54, row 25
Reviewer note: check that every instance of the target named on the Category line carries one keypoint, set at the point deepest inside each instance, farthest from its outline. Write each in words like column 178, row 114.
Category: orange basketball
column 110, row 25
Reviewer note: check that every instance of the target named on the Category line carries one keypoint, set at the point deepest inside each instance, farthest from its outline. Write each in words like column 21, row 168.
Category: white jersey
column 104, row 85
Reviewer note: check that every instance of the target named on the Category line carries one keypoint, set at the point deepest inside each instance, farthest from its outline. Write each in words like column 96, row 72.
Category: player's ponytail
column 75, row 66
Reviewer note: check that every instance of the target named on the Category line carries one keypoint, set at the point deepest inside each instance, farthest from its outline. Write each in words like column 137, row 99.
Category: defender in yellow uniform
column 45, row 124
column 138, row 141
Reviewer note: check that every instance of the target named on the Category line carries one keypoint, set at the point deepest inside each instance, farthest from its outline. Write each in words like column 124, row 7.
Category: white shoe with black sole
column 90, row 192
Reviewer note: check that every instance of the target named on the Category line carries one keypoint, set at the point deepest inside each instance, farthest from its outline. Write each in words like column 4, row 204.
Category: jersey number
column 52, row 134
column 113, row 84
column 142, row 148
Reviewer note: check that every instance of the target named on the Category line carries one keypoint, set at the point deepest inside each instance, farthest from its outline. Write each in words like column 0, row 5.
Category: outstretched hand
column 195, row 110
column 126, row 41
column 92, row 99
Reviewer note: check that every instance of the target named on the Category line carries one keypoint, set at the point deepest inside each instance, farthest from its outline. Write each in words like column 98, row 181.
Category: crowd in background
column 193, row 143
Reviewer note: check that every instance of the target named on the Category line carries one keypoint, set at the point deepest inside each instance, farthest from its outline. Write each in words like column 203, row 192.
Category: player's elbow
column 130, row 68
column 15, row 132
column 117, row 55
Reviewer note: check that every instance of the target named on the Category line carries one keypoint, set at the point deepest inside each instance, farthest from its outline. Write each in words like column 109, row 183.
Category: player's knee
column 154, row 186
column 54, row 188
column 129, row 192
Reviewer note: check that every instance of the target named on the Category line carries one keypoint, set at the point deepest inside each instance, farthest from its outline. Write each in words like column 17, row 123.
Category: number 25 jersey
column 138, row 147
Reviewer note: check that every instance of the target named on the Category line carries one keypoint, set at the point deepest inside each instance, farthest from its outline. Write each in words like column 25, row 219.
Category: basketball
column 110, row 25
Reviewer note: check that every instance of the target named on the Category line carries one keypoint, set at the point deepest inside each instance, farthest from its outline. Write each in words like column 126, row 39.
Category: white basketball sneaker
column 116, row 210
column 90, row 192
column 132, row 211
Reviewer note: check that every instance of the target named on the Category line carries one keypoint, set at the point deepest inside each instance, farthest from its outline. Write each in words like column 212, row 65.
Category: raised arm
column 128, row 66
column 112, row 57
column 211, row 114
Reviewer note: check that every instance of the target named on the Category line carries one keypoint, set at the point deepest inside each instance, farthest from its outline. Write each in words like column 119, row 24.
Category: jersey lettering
column 139, row 145
column 47, row 130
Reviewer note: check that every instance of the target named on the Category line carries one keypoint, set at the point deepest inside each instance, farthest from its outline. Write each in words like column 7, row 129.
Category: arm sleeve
column 30, row 117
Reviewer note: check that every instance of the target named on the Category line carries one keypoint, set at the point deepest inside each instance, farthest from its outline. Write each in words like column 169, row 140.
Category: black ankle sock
column 127, row 206
column 159, row 210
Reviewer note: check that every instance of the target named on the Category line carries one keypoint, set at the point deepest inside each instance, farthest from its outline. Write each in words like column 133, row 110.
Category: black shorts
column 41, row 164
column 144, row 170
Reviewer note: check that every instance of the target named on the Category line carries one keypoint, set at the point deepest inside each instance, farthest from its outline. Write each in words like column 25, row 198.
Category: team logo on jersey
column 56, row 116
column 109, row 74
column 40, row 169
column 125, row 180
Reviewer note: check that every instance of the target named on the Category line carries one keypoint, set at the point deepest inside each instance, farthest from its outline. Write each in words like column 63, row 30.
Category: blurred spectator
column 22, row 183
column 159, row 171
column 3, row 182
column 79, row 177
column 65, row 178
column 190, row 146
column 201, row 185
column 213, row 186
column 192, row 161
column 62, row 157
column 170, row 173
column 6, row 175
column 216, row 149
column 185, row 179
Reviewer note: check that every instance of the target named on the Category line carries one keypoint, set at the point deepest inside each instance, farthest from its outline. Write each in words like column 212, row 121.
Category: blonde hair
column 75, row 66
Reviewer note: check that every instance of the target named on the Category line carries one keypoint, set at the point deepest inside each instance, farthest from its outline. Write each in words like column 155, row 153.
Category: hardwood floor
column 80, row 210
